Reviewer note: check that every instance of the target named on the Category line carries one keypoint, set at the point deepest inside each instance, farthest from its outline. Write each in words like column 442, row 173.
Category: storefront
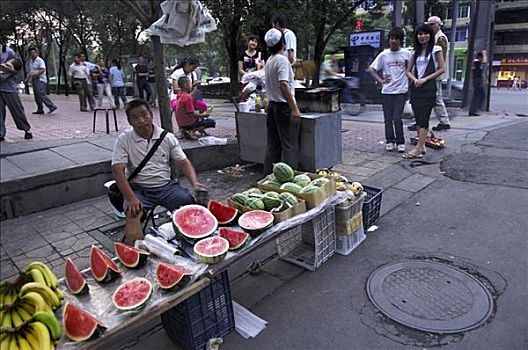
column 505, row 71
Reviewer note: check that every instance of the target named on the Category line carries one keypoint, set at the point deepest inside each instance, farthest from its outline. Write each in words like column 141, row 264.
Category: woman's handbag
column 431, row 141
column 114, row 193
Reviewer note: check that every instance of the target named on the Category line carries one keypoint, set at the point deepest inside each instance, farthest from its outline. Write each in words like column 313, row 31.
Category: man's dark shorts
column 170, row 196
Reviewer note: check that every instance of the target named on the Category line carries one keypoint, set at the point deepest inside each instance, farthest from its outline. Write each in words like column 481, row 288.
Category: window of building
column 463, row 11
column 462, row 34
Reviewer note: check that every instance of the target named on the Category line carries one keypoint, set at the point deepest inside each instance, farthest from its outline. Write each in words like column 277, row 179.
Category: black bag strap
column 148, row 156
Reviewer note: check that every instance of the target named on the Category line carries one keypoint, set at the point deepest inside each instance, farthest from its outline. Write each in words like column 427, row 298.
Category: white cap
column 434, row 19
column 272, row 37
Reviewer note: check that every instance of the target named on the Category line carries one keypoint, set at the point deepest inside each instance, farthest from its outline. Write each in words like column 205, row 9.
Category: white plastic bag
column 407, row 110
column 211, row 140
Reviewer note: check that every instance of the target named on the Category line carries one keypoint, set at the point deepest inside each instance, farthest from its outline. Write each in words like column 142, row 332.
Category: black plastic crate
column 371, row 205
column 207, row 314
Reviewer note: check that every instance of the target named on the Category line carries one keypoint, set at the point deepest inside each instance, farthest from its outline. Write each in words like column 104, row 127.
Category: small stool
column 107, row 118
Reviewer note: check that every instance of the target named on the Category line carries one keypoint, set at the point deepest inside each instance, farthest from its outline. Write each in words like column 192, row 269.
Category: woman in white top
column 426, row 63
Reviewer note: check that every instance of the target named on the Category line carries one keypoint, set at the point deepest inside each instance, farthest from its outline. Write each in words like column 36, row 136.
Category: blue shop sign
column 366, row 38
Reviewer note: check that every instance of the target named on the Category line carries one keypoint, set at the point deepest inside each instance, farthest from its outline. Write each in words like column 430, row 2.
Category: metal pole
column 452, row 48
column 397, row 13
column 420, row 11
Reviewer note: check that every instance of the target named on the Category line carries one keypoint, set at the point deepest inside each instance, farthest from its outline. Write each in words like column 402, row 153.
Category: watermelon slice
column 211, row 250
column 236, row 239
column 80, row 325
column 74, row 279
column 129, row 256
column 194, row 222
column 223, row 213
column 132, row 294
column 103, row 268
column 170, row 275
column 255, row 222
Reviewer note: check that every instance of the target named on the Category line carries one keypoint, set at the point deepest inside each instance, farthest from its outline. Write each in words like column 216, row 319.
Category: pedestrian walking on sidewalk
column 153, row 185
column 395, row 84
column 151, row 79
column 426, row 64
column 439, row 107
column 37, row 76
column 143, row 86
column 78, row 76
column 9, row 94
column 103, row 84
column 478, row 86
column 117, row 80
column 283, row 118
column 89, row 88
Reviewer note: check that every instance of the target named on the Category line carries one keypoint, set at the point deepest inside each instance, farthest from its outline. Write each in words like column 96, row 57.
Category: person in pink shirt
column 190, row 117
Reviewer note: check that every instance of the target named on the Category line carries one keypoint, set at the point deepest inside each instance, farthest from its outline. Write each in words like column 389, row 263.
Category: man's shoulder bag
column 114, row 193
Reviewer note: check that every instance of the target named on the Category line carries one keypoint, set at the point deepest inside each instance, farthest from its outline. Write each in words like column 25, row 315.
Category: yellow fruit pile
column 27, row 318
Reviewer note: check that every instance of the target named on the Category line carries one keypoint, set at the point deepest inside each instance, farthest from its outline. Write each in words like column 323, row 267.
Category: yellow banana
column 23, row 344
column 40, row 331
column 46, row 271
column 31, row 339
column 58, row 293
column 24, row 315
column 6, row 322
column 51, row 322
column 16, row 320
column 10, row 297
column 45, row 291
column 13, row 345
column 28, row 306
column 3, row 293
column 37, row 276
column 3, row 336
column 37, row 300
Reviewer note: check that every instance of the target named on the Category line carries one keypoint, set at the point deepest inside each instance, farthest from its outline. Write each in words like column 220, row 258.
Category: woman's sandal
column 409, row 155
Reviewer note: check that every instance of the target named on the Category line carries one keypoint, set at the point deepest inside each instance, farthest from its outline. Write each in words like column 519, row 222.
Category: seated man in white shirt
column 153, row 185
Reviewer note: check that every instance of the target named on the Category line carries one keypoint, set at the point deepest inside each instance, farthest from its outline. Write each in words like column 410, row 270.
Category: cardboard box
column 350, row 226
column 284, row 215
column 312, row 199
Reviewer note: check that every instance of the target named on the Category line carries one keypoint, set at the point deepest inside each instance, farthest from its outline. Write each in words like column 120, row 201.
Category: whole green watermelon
column 283, row 172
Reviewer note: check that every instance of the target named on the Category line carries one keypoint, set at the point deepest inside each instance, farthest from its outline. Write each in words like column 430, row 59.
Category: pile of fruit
column 342, row 183
column 27, row 309
column 270, row 201
column 284, row 178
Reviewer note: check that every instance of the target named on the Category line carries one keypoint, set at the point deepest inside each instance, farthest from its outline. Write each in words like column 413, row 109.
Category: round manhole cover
column 430, row 296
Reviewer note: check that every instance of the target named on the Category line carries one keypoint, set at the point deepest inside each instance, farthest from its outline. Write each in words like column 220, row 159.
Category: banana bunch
column 27, row 319
column 39, row 332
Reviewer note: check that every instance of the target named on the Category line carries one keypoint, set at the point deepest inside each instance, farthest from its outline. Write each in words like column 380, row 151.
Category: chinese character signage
column 366, row 38
column 514, row 61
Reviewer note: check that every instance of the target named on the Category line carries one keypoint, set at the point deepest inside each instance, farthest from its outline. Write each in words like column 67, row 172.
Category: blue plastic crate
column 207, row 314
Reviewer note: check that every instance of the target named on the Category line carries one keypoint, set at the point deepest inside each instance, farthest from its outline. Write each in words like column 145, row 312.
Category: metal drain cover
column 430, row 296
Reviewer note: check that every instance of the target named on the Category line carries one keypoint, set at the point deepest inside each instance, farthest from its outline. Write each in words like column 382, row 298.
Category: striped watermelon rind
column 237, row 239
column 283, row 172
column 211, row 250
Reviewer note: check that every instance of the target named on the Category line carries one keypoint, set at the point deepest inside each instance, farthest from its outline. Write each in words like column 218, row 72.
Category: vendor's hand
column 135, row 207
column 198, row 186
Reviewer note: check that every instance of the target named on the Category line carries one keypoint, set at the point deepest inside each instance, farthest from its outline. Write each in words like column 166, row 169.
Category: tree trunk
column 161, row 84
column 230, row 35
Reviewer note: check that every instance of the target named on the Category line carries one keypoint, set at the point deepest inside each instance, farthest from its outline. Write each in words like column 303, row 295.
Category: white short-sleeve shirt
column 394, row 64
column 290, row 43
column 130, row 149
column 422, row 61
column 278, row 69
column 38, row 64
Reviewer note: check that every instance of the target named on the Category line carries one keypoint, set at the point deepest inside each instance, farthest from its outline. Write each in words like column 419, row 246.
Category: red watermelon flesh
column 194, row 221
column 223, row 213
column 103, row 268
column 132, row 294
column 255, row 220
column 236, row 239
column 80, row 325
column 169, row 275
column 73, row 278
column 130, row 257
column 211, row 250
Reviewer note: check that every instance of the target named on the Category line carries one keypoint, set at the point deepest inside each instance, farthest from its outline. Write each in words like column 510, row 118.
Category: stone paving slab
column 414, row 183
column 9, row 170
column 40, row 162
column 83, row 153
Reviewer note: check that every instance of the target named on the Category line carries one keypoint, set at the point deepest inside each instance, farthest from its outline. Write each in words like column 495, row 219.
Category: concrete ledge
column 29, row 193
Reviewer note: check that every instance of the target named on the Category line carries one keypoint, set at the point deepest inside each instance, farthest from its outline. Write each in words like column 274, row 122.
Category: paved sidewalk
column 70, row 230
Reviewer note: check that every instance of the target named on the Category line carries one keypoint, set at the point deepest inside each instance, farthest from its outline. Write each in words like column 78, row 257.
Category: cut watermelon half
column 223, row 213
column 211, row 250
column 194, row 222
column 102, row 267
column 79, row 325
column 236, row 239
column 129, row 256
column 255, row 222
column 132, row 294
column 74, row 278
column 169, row 275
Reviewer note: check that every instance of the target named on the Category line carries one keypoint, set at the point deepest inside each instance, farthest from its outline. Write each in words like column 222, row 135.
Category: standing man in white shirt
column 78, row 75
column 89, row 89
column 439, row 106
column 279, row 21
column 37, row 75
column 283, row 119
column 395, row 84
